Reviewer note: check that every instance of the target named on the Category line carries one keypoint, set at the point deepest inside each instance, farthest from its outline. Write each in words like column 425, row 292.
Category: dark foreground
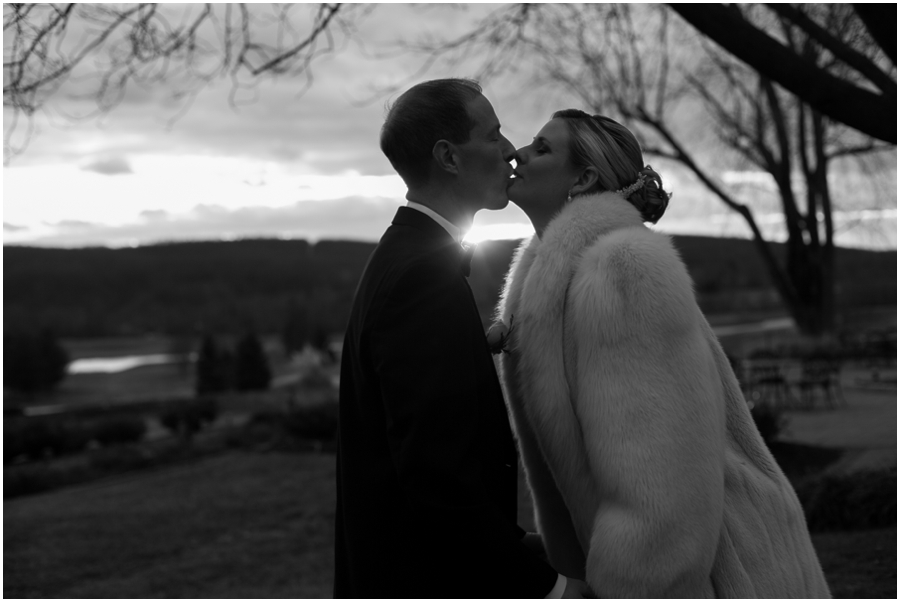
column 251, row 525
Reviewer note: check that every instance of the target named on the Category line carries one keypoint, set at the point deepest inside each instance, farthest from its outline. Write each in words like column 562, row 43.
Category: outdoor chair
column 766, row 383
column 820, row 374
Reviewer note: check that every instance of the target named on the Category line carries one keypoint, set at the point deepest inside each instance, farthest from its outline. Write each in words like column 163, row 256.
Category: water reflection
column 119, row 364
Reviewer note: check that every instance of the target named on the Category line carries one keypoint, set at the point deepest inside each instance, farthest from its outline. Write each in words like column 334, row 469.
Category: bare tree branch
column 871, row 113
column 141, row 44
column 841, row 50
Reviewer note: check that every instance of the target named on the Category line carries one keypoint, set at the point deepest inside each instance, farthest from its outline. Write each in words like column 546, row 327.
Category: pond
column 120, row 363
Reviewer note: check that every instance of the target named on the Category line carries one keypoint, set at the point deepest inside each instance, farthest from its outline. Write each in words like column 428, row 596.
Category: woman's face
column 544, row 174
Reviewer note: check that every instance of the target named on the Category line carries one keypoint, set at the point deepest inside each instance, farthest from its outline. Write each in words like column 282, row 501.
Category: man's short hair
column 427, row 112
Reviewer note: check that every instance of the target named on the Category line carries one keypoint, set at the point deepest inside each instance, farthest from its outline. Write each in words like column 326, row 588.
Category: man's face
column 484, row 161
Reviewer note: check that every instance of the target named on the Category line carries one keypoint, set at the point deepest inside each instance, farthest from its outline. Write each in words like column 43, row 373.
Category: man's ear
column 444, row 154
column 586, row 182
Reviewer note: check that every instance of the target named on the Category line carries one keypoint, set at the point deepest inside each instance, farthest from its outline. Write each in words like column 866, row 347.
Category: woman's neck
column 541, row 219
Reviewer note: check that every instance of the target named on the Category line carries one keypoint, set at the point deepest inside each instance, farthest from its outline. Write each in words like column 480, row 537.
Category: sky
column 294, row 165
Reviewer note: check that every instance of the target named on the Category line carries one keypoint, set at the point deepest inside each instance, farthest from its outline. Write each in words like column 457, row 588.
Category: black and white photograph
column 448, row 301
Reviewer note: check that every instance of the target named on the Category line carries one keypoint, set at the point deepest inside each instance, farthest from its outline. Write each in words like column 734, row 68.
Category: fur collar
column 582, row 220
column 577, row 226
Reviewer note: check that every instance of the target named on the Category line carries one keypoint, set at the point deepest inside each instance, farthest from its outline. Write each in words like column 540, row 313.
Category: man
column 426, row 471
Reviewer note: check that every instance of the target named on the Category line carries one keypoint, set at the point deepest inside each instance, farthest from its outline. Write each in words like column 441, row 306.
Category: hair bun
column 650, row 199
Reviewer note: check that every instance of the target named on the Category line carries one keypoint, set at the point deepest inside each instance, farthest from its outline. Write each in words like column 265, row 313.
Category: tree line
column 304, row 291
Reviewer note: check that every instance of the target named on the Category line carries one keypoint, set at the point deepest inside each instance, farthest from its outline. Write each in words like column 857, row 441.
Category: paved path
column 866, row 425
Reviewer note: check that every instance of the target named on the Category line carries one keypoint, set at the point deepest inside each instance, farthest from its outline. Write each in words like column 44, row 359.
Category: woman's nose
column 520, row 155
column 509, row 151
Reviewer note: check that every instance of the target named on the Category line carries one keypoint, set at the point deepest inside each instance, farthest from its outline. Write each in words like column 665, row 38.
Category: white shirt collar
column 455, row 232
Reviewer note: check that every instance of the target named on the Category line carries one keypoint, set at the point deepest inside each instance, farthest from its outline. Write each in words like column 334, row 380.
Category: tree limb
column 839, row 49
column 859, row 108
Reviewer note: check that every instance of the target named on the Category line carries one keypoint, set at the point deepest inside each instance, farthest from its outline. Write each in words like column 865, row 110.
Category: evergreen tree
column 213, row 368
column 54, row 359
column 252, row 370
column 33, row 361
column 295, row 332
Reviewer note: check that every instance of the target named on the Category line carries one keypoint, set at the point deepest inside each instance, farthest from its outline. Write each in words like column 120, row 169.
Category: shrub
column 214, row 368
column 73, row 436
column 313, row 427
column 769, row 421
column 13, row 439
column 316, row 378
column 23, row 480
column 252, row 372
column 263, row 430
column 120, row 429
column 860, row 500
column 36, row 438
column 319, row 422
column 33, row 361
column 189, row 416
column 121, row 459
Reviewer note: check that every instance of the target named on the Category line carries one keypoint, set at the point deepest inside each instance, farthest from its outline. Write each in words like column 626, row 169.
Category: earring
column 569, row 197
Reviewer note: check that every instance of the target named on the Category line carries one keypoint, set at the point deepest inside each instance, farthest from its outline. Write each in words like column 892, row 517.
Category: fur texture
column 648, row 476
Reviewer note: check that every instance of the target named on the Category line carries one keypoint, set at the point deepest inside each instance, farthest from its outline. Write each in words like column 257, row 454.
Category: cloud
column 73, row 224
column 13, row 228
column 154, row 215
column 351, row 218
column 109, row 166
column 323, row 130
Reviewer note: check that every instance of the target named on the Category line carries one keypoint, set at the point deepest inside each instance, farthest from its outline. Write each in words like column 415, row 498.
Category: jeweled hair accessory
column 629, row 190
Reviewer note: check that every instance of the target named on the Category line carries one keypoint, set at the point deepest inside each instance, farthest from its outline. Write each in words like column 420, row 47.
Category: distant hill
column 185, row 288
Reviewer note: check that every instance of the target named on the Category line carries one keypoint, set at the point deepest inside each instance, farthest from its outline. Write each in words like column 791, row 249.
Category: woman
column 648, row 476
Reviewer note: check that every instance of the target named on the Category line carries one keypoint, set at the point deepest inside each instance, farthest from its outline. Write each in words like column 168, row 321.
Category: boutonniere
column 498, row 336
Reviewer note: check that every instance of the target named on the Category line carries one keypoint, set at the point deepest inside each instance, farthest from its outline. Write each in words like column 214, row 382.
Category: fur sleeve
column 552, row 517
column 649, row 404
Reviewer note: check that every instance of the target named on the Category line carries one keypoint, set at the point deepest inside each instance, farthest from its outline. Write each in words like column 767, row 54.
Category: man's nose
column 509, row 151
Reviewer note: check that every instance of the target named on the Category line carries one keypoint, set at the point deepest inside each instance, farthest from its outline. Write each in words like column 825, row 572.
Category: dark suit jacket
column 426, row 468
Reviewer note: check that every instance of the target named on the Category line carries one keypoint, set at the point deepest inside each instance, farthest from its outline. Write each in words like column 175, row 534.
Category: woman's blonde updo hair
column 609, row 147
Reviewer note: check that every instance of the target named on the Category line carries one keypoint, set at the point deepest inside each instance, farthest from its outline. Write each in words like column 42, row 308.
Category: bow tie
column 468, row 249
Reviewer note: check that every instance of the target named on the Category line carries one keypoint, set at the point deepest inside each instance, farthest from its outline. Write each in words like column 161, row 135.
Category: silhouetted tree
column 839, row 97
column 637, row 64
column 252, row 366
column 187, row 46
column 296, row 331
column 320, row 338
column 214, row 368
column 33, row 361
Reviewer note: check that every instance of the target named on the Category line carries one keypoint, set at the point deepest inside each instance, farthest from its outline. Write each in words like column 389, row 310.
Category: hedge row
column 297, row 429
column 38, row 438
column 858, row 500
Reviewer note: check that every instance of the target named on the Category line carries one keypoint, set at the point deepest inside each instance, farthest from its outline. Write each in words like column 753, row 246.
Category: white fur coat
column 648, row 476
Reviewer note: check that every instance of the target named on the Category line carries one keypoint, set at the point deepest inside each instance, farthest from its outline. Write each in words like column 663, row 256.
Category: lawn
column 251, row 525
column 239, row 525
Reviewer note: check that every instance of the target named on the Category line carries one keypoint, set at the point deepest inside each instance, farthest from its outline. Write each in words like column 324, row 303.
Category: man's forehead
column 482, row 113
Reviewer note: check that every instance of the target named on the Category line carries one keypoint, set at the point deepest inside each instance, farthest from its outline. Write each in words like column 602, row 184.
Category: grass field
column 237, row 525
column 250, row 525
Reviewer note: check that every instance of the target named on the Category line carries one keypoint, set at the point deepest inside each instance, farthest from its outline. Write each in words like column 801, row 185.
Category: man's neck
column 452, row 230
column 451, row 209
